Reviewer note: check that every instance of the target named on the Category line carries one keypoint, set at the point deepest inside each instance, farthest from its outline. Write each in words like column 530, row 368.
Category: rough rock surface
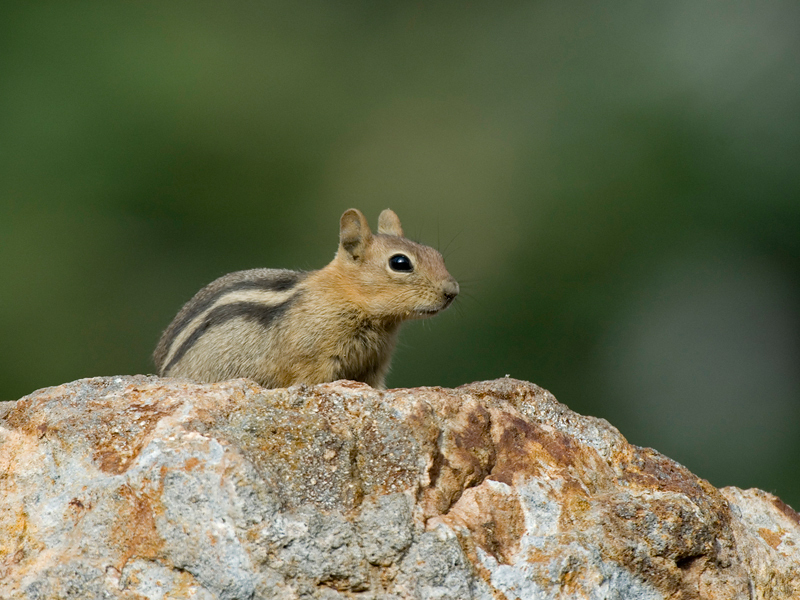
column 137, row 487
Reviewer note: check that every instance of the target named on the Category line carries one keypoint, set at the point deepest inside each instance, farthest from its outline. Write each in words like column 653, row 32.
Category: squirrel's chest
column 365, row 357
column 361, row 348
column 329, row 342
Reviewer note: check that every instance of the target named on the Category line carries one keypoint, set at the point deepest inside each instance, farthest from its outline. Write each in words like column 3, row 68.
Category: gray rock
column 386, row 528
column 140, row 487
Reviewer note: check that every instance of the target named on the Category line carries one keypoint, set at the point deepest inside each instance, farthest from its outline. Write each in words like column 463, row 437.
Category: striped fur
column 281, row 327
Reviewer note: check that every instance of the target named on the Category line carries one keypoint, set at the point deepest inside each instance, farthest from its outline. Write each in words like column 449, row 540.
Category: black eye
column 400, row 262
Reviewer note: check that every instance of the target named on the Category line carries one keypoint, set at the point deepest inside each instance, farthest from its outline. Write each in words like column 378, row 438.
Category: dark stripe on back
column 263, row 314
column 281, row 283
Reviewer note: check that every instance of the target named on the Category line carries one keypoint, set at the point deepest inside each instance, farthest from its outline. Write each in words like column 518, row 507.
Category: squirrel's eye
column 400, row 262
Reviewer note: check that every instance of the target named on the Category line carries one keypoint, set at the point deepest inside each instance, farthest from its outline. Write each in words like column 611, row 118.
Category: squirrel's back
column 281, row 327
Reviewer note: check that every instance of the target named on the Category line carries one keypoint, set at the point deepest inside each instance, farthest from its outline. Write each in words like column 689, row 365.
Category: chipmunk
column 280, row 327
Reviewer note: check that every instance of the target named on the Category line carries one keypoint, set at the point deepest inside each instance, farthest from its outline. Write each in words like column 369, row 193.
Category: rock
column 140, row 487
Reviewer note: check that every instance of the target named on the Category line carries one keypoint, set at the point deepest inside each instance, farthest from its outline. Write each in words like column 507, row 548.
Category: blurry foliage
column 616, row 187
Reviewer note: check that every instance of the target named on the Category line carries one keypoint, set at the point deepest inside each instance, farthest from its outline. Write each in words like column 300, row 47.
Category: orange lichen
column 773, row 538
column 134, row 528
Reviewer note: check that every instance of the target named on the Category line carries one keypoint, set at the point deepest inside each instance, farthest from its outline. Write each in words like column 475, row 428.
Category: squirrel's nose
column 450, row 290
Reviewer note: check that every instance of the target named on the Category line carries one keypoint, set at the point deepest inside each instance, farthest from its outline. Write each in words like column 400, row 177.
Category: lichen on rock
column 140, row 487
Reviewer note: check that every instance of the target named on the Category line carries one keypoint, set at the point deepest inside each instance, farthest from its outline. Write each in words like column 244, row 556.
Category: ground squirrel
column 281, row 327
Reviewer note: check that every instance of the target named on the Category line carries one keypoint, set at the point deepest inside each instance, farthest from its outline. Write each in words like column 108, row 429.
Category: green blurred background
column 616, row 187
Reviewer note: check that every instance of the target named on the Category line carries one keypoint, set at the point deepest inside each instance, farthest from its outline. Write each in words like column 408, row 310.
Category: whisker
column 455, row 237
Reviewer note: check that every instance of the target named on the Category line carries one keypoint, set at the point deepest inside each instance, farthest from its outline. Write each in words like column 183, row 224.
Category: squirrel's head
column 388, row 275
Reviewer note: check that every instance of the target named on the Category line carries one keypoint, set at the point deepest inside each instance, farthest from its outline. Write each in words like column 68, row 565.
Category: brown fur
column 284, row 327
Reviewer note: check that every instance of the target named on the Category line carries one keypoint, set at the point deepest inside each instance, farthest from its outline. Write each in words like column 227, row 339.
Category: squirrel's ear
column 354, row 232
column 389, row 223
